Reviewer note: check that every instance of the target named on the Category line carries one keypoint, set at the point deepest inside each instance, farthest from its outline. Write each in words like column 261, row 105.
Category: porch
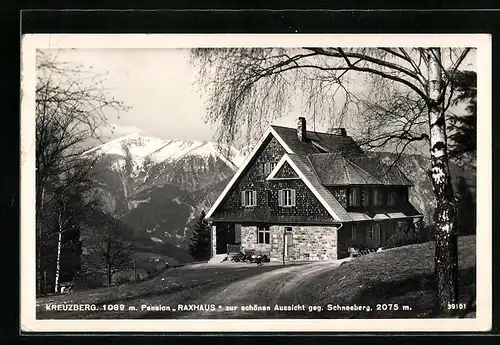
column 225, row 238
column 366, row 236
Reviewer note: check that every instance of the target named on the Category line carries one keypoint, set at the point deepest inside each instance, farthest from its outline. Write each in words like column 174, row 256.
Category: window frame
column 272, row 165
column 268, row 167
column 371, row 233
column 391, row 198
column 283, row 197
column 378, row 197
column 355, row 193
column 367, row 197
column 263, row 230
column 246, row 198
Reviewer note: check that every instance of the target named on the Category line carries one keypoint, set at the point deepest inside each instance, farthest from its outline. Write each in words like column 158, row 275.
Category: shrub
column 88, row 281
column 405, row 235
column 124, row 279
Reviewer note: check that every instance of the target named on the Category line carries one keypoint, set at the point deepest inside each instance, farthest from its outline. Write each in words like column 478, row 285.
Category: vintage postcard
column 256, row 183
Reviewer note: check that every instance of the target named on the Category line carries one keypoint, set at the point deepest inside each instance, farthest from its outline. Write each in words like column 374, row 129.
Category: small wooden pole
column 284, row 234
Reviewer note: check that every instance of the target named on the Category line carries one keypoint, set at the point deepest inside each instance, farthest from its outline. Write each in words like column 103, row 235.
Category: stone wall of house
column 314, row 243
column 309, row 242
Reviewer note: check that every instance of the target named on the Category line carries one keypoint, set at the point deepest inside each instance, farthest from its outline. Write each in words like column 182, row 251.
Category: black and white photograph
column 290, row 182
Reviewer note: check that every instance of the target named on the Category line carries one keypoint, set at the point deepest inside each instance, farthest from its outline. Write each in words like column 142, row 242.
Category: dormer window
column 354, row 196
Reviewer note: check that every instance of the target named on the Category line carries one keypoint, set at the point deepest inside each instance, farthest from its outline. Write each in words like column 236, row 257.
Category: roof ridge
column 316, row 132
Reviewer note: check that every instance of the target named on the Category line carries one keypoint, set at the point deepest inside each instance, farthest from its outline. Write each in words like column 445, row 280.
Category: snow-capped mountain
column 155, row 185
column 144, row 149
column 143, row 162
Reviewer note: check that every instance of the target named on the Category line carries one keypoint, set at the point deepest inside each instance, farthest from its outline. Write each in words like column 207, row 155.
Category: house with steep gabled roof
column 303, row 195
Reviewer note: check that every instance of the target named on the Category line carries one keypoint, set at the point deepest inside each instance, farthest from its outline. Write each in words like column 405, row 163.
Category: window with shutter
column 288, row 197
column 353, row 233
column 249, row 198
column 280, row 197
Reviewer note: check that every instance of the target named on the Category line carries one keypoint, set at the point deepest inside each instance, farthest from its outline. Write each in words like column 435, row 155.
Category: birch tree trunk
column 60, row 224
column 58, row 261
column 446, row 256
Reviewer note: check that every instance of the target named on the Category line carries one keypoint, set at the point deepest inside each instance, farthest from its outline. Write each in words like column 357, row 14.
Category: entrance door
column 225, row 235
column 288, row 241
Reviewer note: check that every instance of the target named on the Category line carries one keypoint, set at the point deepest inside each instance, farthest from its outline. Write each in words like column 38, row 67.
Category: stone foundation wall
column 309, row 242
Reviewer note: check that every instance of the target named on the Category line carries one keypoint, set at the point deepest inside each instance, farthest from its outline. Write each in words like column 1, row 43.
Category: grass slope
column 403, row 276
column 181, row 285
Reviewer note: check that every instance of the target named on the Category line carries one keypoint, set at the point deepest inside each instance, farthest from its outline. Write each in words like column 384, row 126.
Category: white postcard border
column 31, row 42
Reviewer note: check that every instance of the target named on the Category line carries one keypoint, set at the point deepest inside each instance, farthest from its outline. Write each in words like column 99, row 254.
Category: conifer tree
column 200, row 241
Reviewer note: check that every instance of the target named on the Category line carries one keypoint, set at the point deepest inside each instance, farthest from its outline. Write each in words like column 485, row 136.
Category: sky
column 159, row 86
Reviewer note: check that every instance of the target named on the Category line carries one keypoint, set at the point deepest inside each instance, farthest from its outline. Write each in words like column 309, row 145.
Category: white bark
column 446, row 258
column 58, row 261
column 213, row 240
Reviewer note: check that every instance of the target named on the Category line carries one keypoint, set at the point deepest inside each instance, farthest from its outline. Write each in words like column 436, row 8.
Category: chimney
column 301, row 129
column 339, row 131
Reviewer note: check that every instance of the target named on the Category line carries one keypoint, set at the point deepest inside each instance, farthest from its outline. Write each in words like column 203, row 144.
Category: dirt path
column 284, row 287
column 230, row 285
